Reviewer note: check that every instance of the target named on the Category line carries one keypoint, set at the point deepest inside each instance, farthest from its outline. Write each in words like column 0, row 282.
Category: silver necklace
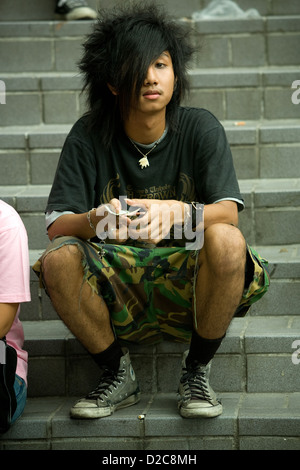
column 144, row 162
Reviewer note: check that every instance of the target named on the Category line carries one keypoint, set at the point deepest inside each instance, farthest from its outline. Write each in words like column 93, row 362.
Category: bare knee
column 224, row 249
column 61, row 263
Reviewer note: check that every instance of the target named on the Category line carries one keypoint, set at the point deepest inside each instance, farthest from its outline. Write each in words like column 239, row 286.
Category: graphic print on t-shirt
column 185, row 191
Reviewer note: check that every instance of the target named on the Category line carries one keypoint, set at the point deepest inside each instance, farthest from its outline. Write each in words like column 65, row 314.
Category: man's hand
column 114, row 223
column 156, row 219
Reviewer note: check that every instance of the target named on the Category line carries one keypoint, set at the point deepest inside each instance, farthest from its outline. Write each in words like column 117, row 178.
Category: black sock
column 202, row 350
column 110, row 357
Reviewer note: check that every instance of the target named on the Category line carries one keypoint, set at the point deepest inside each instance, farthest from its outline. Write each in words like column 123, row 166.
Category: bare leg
column 220, row 280
column 219, row 289
column 84, row 312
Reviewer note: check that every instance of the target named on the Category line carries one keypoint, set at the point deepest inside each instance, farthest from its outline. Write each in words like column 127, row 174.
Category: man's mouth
column 151, row 94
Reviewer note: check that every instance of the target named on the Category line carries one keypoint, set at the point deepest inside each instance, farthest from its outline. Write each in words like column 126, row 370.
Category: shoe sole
column 93, row 412
column 201, row 412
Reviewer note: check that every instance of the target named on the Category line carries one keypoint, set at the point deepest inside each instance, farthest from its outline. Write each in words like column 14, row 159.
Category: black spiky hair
column 125, row 41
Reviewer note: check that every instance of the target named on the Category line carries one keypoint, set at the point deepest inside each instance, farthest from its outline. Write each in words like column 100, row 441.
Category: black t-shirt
column 192, row 164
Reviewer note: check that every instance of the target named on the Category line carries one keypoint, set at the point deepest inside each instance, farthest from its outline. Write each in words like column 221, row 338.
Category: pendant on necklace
column 144, row 162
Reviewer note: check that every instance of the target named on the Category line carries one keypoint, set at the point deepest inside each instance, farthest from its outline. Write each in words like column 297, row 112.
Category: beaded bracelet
column 89, row 219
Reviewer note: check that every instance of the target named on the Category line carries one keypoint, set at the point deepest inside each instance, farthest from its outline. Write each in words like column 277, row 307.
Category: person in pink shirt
column 14, row 289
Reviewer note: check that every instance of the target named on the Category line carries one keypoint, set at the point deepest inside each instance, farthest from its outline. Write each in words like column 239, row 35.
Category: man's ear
column 112, row 89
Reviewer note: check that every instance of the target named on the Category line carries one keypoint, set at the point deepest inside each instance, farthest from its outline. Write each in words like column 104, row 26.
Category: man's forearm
column 76, row 225
column 224, row 212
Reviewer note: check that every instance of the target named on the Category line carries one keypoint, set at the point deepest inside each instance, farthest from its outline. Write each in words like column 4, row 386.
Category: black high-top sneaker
column 116, row 390
column 196, row 397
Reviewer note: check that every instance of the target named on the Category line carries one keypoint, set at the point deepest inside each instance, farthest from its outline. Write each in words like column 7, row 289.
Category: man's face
column 158, row 86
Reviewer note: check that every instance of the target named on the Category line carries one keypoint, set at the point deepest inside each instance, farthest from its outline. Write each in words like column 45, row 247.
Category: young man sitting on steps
column 130, row 277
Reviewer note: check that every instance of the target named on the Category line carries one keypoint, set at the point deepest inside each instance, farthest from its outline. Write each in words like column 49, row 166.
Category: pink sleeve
column 14, row 262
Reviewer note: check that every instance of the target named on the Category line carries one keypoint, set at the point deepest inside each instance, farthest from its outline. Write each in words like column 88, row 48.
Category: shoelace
column 195, row 383
column 109, row 380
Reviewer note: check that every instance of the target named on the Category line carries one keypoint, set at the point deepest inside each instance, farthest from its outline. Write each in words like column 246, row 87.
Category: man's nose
column 151, row 77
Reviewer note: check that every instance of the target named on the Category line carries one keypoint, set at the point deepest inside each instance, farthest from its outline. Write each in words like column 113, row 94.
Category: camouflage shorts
column 149, row 291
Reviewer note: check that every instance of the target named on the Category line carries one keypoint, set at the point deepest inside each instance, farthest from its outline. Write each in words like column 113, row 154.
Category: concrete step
column 261, row 149
column 244, row 94
column 272, row 212
column 33, row 10
column 271, row 216
column 250, row 421
column 260, row 354
column 235, row 93
column 56, row 46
